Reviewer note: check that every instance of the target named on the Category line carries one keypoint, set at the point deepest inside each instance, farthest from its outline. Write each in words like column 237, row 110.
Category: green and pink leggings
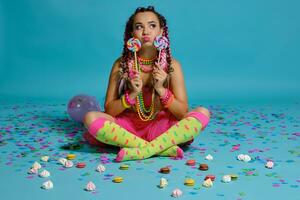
column 134, row 147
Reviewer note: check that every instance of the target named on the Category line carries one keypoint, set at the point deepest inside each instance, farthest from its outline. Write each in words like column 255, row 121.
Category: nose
column 145, row 31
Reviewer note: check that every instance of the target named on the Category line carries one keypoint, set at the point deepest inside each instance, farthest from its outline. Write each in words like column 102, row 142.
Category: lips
column 146, row 39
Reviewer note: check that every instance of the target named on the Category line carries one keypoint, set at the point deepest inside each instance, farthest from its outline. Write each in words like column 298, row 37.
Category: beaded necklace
column 145, row 114
column 146, row 64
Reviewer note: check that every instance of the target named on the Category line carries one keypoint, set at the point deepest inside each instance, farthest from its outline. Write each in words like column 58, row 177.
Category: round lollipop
column 133, row 44
column 79, row 105
column 160, row 42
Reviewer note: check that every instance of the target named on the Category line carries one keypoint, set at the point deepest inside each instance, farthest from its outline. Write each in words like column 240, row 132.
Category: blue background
column 230, row 50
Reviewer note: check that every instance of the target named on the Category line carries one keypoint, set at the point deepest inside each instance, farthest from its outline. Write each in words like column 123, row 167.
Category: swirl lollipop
column 160, row 42
column 133, row 44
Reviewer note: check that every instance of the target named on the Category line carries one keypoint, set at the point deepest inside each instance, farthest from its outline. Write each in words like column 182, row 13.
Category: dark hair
column 127, row 55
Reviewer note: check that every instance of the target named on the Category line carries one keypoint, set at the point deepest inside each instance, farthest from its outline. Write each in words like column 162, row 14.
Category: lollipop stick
column 159, row 56
column 135, row 61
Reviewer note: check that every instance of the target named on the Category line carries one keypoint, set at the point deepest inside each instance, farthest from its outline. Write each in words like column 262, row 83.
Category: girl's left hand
column 159, row 77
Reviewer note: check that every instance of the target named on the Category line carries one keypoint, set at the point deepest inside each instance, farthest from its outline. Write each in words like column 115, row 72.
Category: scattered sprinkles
column 37, row 140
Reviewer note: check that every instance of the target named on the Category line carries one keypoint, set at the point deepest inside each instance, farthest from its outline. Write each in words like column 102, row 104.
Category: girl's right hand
column 136, row 83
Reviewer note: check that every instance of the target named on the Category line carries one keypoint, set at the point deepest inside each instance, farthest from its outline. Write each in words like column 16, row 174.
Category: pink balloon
column 79, row 105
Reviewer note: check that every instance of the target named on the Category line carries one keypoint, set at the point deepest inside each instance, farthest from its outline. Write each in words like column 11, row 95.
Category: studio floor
column 265, row 132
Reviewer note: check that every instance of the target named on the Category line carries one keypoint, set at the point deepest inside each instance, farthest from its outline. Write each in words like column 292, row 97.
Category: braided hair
column 126, row 58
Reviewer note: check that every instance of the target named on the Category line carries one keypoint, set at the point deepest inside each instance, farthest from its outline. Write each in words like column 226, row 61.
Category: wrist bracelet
column 128, row 100
column 170, row 101
column 124, row 102
column 166, row 97
column 165, row 94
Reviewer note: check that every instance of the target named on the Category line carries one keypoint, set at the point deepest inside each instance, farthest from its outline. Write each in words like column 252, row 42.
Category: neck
column 147, row 52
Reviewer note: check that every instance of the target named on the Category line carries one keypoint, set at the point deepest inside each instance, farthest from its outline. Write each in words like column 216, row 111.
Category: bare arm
column 179, row 107
column 113, row 105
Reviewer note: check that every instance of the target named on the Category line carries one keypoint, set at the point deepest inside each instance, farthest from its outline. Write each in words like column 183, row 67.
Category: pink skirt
column 148, row 130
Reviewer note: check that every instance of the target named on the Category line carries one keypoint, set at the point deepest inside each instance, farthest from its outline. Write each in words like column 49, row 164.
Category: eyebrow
column 150, row 22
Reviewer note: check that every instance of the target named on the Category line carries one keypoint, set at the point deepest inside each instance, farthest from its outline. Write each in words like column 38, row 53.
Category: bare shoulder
column 117, row 64
column 114, row 74
column 176, row 65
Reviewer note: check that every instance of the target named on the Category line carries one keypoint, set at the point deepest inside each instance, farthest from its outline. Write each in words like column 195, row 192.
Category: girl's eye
column 152, row 25
column 138, row 27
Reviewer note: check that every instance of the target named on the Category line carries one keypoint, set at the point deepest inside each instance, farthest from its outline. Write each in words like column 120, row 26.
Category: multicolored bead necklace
column 145, row 114
column 146, row 64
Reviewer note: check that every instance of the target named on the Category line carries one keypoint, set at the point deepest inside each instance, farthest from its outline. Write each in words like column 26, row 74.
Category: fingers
column 159, row 71
column 136, row 83
column 159, row 75
column 161, row 78
column 157, row 65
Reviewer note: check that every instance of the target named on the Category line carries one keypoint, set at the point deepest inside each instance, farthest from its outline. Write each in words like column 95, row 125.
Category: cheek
column 137, row 33
column 157, row 32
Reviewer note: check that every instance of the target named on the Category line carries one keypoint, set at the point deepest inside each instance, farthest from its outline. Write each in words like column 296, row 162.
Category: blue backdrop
column 229, row 49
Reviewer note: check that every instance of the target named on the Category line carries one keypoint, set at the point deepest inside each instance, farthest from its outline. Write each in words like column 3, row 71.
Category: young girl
column 146, row 110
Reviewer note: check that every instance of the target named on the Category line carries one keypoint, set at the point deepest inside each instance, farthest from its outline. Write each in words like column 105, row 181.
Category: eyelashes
column 138, row 27
column 152, row 25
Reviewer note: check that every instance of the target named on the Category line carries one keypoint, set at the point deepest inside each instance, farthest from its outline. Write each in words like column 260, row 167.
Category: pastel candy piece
column 269, row 165
column 241, row 157
column 247, row 158
column 80, row 165
column 165, row 170
column 233, row 177
column 36, row 165
column 90, row 186
column 118, row 179
column 100, row 168
column 209, row 157
column 133, row 44
column 163, row 182
column 203, row 167
column 226, row 178
column 33, row 171
column 177, row 193
column 71, row 156
column 191, row 162
column 47, row 185
column 68, row 164
column 210, row 176
column 44, row 174
column 207, row 183
column 62, row 161
column 161, row 42
column 124, row 167
column 189, row 182
column 45, row 158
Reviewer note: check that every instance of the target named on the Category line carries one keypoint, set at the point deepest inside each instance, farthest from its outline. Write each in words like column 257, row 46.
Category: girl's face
column 146, row 27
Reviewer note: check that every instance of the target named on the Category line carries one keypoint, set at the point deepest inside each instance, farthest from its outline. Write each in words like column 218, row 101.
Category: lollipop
column 161, row 42
column 133, row 44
